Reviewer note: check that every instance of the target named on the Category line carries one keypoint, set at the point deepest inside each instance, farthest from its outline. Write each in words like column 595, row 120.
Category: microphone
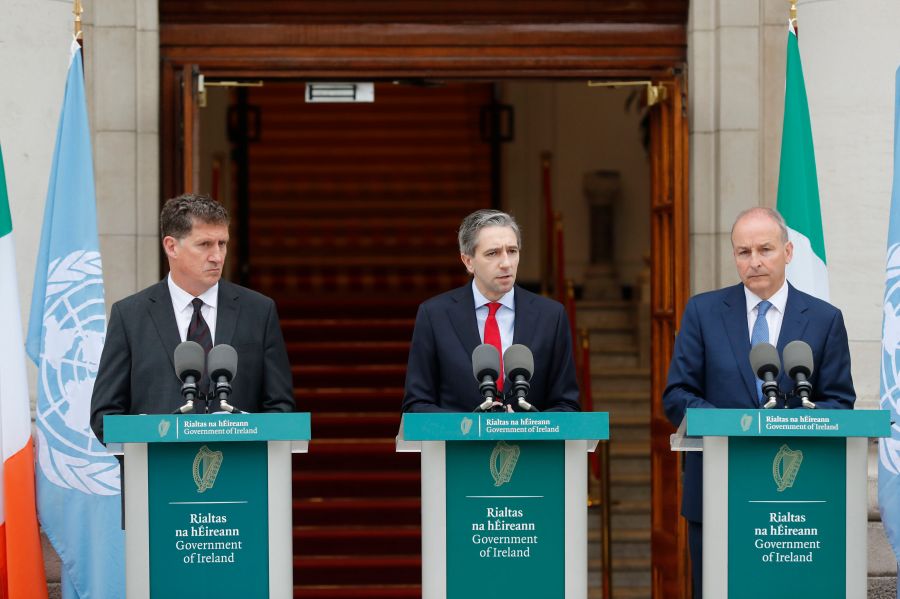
column 798, row 363
column 766, row 365
column 222, row 364
column 518, row 362
column 486, row 368
column 189, row 360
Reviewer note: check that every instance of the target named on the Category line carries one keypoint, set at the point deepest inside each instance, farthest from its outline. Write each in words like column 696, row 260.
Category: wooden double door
column 571, row 45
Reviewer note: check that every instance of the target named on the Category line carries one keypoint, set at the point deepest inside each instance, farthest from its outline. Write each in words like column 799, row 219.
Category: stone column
column 122, row 71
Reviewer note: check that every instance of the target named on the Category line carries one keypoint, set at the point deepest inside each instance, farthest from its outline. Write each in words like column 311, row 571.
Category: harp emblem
column 785, row 467
column 503, row 462
column 206, row 468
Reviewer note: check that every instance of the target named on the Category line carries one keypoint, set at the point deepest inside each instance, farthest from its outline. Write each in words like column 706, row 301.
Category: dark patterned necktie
column 198, row 330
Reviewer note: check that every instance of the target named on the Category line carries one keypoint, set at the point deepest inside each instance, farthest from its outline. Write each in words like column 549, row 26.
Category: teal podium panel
column 504, row 502
column 784, row 500
column 208, row 503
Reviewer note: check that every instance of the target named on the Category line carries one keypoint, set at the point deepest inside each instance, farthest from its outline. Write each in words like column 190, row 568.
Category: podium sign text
column 787, row 517
column 784, row 500
column 505, row 528
column 208, row 519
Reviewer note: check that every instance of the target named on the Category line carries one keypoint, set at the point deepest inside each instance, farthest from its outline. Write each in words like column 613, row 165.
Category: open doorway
column 347, row 216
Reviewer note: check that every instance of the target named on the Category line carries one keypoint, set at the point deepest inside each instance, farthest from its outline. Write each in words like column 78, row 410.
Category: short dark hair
column 179, row 213
column 478, row 220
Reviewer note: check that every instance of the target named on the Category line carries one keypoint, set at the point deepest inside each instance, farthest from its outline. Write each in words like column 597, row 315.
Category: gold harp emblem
column 206, row 468
column 785, row 467
column 503, row 462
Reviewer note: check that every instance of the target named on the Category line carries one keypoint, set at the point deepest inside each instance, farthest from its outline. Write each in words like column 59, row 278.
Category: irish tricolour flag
column 21, row 562
column 798, row 187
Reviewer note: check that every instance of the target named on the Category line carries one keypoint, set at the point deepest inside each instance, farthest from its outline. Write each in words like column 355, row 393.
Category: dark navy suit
column 710, row 367
column 439, row 373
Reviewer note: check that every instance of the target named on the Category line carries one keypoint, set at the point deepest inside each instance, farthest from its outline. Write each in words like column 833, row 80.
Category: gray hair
column 472, row 225
column 179, row 213
column 764, row 211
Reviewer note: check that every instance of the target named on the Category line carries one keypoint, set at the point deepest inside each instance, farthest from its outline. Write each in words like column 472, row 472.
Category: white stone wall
column 35, row 36
column 122, row 72
column 121, row 52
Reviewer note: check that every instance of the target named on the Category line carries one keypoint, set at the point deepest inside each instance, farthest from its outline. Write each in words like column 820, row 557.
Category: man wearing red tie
column 491, row 309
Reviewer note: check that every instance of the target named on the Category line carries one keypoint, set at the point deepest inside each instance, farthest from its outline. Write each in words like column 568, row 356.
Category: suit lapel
column 526, row 317
column 163, row 316
column 226, row 313
column 462, row 315
column 734, row 318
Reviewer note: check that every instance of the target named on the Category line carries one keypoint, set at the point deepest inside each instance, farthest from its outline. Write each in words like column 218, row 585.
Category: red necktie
column 492, row 337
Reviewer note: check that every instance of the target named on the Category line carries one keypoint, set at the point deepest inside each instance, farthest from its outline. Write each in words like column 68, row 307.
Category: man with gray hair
column 136, row 373
column 491, row 309
column 710, row 366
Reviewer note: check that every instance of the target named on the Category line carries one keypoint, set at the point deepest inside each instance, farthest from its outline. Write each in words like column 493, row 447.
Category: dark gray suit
column 137, row 371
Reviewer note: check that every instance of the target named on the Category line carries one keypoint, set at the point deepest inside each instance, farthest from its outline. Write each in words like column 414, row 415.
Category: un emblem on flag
column 889, row 448
column 74, row 328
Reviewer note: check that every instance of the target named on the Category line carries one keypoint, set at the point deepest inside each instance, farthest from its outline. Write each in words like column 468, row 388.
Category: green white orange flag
column 21, row 561
column 798, row 186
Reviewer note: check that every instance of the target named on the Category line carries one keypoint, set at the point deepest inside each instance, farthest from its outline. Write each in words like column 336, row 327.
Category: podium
column 784, row 500
column 504, row 502
column 208, row 502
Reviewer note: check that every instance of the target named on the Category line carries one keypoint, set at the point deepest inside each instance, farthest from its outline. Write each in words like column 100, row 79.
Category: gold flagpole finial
column 793, row 12
column 77, row 9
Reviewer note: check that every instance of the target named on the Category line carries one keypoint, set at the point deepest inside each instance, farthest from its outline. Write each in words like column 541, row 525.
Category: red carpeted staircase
column 353, row 215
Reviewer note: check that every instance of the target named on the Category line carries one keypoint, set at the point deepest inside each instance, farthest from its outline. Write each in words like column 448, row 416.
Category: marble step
column 616, row 380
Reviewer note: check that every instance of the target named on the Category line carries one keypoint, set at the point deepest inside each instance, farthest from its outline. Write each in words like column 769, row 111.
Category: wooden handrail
column 548, row 237
column 605, row 519
column 598, row 469
column 571, row 312
column 560, row 255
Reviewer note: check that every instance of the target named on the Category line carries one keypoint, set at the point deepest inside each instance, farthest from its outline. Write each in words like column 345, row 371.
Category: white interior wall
column 586, row 129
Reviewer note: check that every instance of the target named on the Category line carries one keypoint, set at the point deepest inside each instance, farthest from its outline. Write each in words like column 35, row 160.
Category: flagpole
column 77, row 9
column 793, row 16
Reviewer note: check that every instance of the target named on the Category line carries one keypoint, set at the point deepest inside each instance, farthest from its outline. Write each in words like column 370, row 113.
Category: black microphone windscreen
column 518, row 360
column 189, row 360
column 222, row 361
column 798, row 357
column 486, row 362
column 763, row 359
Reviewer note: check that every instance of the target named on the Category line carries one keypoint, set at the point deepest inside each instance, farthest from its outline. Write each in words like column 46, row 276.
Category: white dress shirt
column 775, row 315
column 184, row 309
column 506, row 315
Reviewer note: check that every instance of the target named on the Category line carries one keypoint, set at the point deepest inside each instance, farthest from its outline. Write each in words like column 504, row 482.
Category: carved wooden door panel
column 670, row 288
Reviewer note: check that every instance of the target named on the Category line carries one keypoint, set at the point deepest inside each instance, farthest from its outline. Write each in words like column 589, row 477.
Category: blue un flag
column 889, row 448
column 77, row 481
